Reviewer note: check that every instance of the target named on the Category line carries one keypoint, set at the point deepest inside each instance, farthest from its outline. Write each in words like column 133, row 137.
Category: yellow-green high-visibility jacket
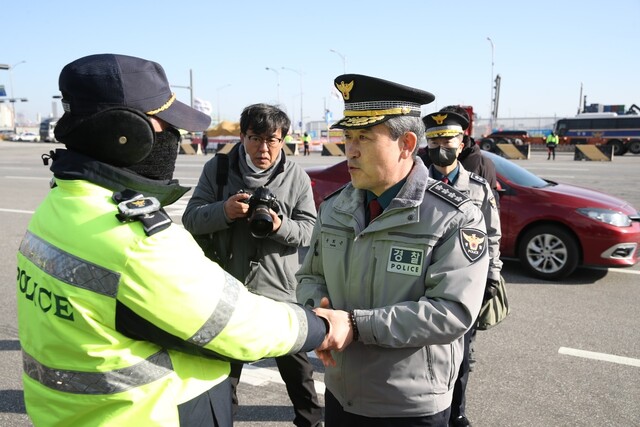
column 118, row 328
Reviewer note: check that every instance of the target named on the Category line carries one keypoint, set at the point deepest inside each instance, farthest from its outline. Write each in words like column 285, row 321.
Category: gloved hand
column 490, row 290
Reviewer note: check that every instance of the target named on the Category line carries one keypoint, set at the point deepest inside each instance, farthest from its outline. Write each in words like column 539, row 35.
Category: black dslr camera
column 260, row 221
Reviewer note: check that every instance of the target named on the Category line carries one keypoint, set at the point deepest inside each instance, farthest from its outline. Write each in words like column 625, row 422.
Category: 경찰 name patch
column 407, row 261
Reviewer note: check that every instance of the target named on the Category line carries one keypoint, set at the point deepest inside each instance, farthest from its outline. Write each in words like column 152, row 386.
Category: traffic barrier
column 291, row 149
column 332, row 149
column 514, row 152
column 187, row 148
column 600, row 153
column 225, row 148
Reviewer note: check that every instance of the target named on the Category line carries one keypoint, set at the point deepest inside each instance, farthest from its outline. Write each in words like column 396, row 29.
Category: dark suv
column 516, row 137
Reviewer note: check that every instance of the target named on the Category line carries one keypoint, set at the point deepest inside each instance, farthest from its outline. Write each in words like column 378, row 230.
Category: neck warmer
column 161, row 161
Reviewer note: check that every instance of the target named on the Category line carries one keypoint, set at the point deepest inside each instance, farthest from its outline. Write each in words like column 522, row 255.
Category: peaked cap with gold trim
column 369, row 101
column 445, row 124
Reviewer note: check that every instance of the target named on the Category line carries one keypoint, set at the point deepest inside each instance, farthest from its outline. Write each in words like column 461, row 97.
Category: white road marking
column 260, row 376
column 599, row 356
column 16, row 211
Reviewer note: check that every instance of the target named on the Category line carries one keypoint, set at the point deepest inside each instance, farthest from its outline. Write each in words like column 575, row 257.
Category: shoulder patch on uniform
column 448, row 193
column 477, row 177
column 474, row 243
column 133, row 206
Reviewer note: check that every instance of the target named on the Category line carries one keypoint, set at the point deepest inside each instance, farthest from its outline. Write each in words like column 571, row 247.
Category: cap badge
column 439, row 118
column 345, row 88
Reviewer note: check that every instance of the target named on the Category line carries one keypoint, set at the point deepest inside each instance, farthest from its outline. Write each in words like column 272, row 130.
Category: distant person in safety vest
column 552, row 141
column 122, row 319
column 306, row 140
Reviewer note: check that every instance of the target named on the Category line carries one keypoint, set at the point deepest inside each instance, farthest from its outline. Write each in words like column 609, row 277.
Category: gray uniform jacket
column 414, row 277
column 479, row 191
column 266, row 266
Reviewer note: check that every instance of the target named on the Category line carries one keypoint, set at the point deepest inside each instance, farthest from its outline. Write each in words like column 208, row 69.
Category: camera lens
column 261, row 223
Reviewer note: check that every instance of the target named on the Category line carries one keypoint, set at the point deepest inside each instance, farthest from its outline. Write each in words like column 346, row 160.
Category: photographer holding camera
column 251, row 211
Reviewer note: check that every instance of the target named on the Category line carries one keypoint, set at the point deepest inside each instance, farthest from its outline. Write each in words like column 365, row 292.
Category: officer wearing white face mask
column 445, row 134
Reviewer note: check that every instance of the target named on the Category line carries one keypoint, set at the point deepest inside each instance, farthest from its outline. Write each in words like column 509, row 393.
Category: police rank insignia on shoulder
column 473, row 243
column 448, row 193
column 134, row 206
column 477, row 177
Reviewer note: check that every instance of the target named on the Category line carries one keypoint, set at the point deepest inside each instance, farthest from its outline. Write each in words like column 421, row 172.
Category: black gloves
column 490, row 290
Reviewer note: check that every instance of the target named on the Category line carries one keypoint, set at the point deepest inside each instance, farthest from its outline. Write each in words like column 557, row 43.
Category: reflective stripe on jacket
column 119, row 328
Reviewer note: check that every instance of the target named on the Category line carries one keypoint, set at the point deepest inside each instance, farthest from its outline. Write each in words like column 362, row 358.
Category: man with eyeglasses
column 221, row 209
column 445, row 136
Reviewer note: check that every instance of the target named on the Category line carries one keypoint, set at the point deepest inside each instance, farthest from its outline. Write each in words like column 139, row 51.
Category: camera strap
column 222, row 174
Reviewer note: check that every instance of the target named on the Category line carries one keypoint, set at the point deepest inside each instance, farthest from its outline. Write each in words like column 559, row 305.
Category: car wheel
column 634, row 146
column 486, row 145
column 618, row 147
column 549, row 252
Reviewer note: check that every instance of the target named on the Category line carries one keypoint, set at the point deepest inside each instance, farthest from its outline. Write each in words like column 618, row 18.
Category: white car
column 27, row 136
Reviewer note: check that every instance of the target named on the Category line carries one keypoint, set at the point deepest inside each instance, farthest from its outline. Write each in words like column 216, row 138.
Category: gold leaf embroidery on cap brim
column 361, row 121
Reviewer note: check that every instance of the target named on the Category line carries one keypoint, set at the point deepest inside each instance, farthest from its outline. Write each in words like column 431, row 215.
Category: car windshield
column 514, row 173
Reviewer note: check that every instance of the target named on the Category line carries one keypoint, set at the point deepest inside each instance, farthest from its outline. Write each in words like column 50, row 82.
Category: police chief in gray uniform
column 401, row 259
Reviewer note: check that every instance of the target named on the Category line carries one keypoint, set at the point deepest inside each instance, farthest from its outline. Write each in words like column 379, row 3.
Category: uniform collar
column 72, row 165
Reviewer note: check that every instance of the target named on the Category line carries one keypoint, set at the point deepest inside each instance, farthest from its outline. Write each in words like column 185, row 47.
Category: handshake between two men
column 341, row 331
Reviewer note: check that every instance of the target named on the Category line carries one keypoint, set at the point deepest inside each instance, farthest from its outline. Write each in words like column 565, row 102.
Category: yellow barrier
column 225, row 148
column 514, row 152
column 601, row 153
column 187, row 148
column 332, row 149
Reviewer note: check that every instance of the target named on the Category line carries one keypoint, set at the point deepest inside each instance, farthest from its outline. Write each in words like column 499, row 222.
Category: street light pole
column 299, row 72
column 277, row 80
column 12, row 100
column 344, row 60
column 218, row 91
column 190, row 87
column 491, row 92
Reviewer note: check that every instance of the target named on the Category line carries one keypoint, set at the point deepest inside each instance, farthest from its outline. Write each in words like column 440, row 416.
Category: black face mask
column 442, row 156
column 161, row 161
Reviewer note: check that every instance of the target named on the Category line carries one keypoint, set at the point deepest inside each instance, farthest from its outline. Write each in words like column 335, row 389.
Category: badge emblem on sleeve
column 473, row 243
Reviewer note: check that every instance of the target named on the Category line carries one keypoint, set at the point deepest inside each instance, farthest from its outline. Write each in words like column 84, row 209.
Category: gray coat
column 479, row 191
column 266, row 266
column 414, row 277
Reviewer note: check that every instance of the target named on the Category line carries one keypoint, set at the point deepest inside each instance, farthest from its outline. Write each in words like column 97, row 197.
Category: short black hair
column 264, row 119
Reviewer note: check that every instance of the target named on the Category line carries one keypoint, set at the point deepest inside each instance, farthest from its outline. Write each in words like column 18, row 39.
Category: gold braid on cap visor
column 451, row 130
column 163, row 107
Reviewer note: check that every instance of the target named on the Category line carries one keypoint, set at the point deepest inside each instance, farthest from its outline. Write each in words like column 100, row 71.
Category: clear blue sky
column 543, row 50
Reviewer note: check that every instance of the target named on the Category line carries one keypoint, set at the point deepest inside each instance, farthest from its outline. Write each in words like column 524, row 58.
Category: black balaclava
column 442, row 156
column 161, row 161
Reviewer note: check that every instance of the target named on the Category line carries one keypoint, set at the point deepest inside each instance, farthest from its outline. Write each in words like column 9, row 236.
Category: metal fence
column 535, row 126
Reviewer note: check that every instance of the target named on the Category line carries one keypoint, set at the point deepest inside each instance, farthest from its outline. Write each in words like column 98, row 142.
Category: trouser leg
column 460, row 387
column 234, row 379
column 297, row 373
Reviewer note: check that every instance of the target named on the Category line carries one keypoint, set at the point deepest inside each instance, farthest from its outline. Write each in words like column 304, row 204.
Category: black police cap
column 369, row 101
column 445, row 124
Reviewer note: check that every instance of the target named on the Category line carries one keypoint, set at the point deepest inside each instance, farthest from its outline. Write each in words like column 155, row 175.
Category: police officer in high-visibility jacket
column 552, row 142
column 122, row 319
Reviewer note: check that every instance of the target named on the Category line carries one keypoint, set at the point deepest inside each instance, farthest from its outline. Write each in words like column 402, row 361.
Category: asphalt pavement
column 568, row 355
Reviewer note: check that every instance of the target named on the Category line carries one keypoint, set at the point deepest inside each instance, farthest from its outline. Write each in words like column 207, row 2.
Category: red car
column 551, row 227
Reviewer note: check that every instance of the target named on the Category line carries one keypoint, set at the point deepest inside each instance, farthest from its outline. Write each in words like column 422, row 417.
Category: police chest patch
column 405, row 261
column 474, row 243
